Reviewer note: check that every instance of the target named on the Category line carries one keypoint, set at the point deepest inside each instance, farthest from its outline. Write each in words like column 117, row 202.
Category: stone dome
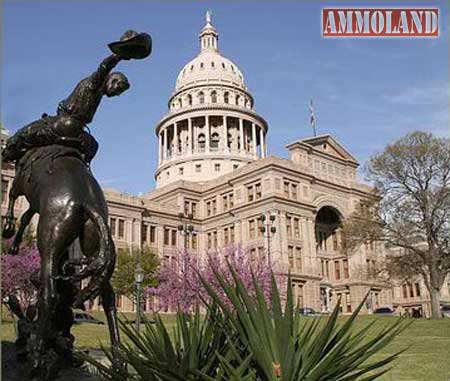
column 209, row 66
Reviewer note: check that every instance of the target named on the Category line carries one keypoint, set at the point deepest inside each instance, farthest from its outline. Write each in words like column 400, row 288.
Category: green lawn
column 428, row 356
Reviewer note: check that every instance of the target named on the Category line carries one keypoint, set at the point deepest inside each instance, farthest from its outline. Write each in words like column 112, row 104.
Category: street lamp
column 269, row 230
column 138, row 278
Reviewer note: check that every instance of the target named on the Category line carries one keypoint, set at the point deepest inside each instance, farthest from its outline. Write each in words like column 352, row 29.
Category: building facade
column 214, row 171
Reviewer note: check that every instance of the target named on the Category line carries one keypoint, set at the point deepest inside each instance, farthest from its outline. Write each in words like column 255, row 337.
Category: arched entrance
column 327, row 226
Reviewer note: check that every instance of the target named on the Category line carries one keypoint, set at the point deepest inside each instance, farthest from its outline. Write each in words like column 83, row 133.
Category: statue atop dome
column 208, row 17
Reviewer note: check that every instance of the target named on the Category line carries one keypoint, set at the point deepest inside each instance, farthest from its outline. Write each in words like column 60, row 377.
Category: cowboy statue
column 52, row 156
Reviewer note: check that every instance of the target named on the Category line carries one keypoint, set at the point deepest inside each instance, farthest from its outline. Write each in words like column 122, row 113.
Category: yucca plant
column 281, row 345
column 156, row 355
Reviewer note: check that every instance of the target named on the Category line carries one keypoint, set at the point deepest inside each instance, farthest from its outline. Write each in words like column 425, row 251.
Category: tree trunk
column 435, row 303
column 434, row 289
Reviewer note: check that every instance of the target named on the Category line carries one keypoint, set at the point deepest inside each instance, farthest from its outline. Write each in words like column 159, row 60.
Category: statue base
column 13, row 370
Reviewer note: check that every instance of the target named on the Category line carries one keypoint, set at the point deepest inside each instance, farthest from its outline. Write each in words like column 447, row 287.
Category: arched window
column 201, row 65
column 213, row 97
column 192, row 67
column 237, row 100
column 189, row 99
column 201, row 97
column 180, row 103
column 213, row 64
column 201, row 141
column 226, row 97
column 215, row 140
column 223, row 65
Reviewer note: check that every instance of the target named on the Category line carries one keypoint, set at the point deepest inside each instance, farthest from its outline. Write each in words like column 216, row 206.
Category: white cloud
column 427, row 93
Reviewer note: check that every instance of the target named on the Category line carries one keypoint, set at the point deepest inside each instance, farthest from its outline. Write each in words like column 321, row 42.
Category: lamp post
column 186, row 228
column 139, row 278
column 268, row 229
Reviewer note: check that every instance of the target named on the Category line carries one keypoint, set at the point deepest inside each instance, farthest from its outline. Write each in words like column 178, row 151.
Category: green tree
column 127, row 260
column 412, row 213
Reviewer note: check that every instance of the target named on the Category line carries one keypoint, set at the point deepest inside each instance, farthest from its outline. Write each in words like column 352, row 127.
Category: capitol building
column 214, row 174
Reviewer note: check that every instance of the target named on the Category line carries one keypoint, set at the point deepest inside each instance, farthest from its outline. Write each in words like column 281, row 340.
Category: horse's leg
column 9, row 227
column 24, row 222
column 56, row 230
column 90, row 244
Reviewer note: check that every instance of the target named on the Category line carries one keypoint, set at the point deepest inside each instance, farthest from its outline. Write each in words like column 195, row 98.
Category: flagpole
column 312, row 118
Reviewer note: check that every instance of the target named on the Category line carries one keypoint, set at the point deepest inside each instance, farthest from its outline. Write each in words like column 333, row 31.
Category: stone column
column 207, row 134
column 159, row 148
column 254, row 139
column 175, row 139
column 165, row 144
column 225, row 134
column 261, row 140
column 241, row 134
column 190, row 139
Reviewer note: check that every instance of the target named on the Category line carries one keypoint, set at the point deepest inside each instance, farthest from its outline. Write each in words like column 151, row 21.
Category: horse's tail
column 101, row 268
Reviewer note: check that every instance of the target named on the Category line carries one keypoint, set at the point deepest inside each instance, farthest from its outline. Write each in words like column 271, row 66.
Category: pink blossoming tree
column 17, row 271
column 180, row 285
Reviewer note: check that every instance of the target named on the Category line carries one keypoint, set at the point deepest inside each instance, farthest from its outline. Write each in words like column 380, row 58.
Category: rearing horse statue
column 52, row 157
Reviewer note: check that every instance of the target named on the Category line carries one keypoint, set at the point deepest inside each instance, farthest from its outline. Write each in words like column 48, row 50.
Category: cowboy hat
column 132, row 45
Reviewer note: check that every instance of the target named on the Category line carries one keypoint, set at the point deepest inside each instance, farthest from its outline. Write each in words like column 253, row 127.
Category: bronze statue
column 52, row 157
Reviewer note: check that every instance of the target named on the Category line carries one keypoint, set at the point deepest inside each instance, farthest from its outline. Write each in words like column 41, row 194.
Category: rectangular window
column 417, row 288
column 112, row 226
column 214, row 206
column 181, row 171
column 291, row 256
column 198, row 168
column 337, row 270
column 231, row 200
column 294, row 191
column 296, row 227
column 298, row 257
column 225, row 203
column 194, row 209
column 121, row 229
column 258, row 191
column 405, row 291
column 152, row 234
column 174, row 237
column 215, row 239
column 166, row 236
column 232, row 234
column 144, row 233
column 251, row 229
column 322, row 263
column 289, row 226
column 217, row 167
column 250, row 195
column 226, row 237
column 286, row 189
column 345, row 265
column 194, row 241
column 209, row 240
column 187, row 207
column 411, row 290
column 327, row 267
column 260, row 228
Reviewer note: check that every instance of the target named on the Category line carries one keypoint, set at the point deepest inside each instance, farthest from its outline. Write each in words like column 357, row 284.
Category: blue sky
column 367, row 92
